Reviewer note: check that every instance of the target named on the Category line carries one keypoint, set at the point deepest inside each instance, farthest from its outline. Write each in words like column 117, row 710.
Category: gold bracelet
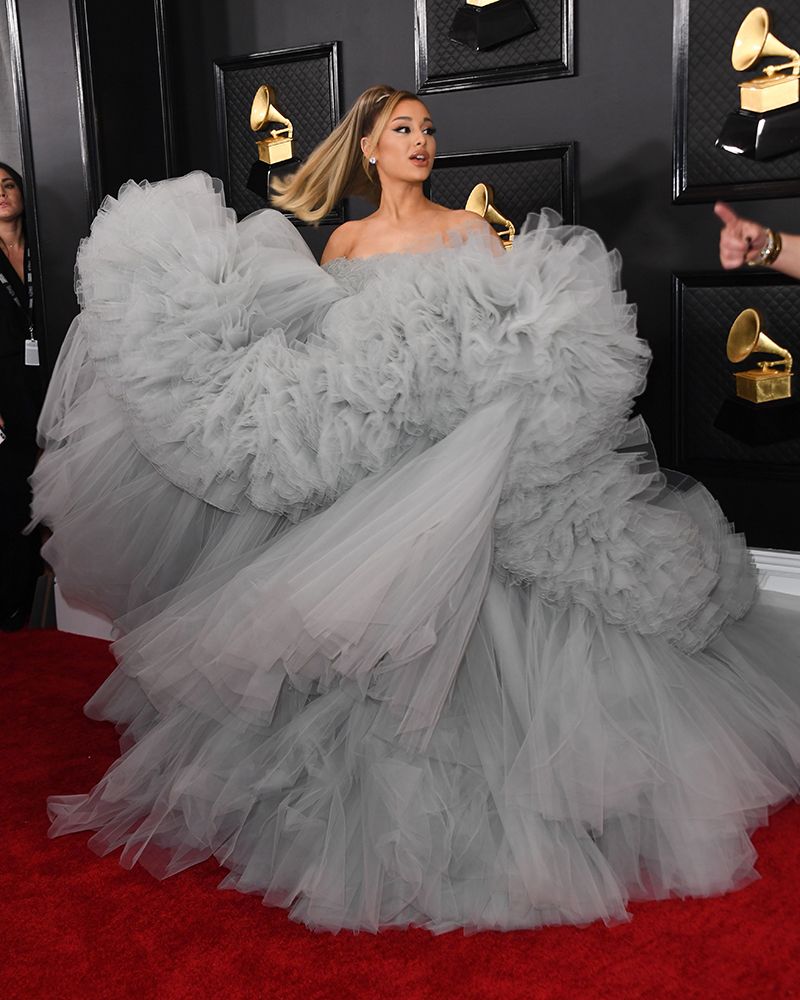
column 768, row 254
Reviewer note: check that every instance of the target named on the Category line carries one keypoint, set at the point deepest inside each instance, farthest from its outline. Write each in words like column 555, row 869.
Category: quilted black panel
column 704, row 379
column 520, row 187
column 543, row 53
column 712, row 92
column 304, row 94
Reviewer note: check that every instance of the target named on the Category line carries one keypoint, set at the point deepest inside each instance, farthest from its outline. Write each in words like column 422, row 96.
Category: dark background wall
column 618, row 107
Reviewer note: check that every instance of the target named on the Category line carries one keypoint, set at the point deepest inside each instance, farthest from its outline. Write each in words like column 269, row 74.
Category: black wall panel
column 747, row 454
column 124, row 94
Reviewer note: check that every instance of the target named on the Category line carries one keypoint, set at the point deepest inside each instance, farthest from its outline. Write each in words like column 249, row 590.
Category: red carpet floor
column 78, row 926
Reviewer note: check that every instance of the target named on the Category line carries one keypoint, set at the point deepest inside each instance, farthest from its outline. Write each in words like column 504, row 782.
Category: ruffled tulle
column 412, row 629
column 574, row 767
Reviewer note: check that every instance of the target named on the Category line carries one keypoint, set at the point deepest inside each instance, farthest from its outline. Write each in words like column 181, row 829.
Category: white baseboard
column 71, row 616
column 779, row 570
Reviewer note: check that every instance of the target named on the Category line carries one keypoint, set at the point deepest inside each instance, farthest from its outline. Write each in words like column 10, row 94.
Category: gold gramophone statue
column 265, row 117
column 485, row 24
column 767, row 123
column 276, row 151
column 480, row 202
column 770, row 380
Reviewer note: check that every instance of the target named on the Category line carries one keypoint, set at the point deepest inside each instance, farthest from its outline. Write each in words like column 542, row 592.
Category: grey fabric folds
column 412, row 629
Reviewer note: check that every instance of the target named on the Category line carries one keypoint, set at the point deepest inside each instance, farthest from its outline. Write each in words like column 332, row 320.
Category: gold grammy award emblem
column 770, row 380
column 768, row 121
column 480, row 201
column 774, row 89
column 265, row 117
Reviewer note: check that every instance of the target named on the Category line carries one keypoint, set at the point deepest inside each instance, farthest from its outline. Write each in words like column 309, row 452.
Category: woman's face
column 11, row 204
column 407, row 145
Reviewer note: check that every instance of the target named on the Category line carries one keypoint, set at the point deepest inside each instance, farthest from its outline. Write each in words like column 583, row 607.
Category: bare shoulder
column 467, row 223
column 341, row 240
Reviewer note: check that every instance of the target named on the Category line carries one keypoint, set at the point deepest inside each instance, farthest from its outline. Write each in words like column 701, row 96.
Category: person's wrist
column 761, row 240
column 768, row 252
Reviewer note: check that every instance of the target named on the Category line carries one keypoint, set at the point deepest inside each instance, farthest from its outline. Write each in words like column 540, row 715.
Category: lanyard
column 29, row 285
column 31, row 346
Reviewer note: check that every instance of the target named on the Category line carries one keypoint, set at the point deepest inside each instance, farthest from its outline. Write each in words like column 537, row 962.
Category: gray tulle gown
column 412, row 629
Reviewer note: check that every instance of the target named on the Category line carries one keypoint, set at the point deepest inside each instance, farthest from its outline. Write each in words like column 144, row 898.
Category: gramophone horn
column 480, row 202
column 754, row 41
column 479, row 199
column 263, row 111
column 746, row 337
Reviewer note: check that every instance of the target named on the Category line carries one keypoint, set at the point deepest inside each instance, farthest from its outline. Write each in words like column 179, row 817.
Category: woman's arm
column 742, row 240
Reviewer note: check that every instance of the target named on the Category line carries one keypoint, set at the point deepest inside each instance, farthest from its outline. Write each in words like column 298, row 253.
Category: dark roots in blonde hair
column 338, row 167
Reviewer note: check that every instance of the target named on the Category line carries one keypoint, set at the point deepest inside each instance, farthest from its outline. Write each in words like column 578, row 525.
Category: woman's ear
column 365, row 145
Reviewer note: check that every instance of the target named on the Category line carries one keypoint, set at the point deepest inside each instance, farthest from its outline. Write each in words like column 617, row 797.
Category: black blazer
column 21, row 385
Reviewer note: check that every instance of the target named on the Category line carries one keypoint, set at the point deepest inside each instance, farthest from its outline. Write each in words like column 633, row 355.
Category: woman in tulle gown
column 411, row 628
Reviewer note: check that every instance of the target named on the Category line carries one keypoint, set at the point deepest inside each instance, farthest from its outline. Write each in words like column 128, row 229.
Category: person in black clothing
column 21, row 390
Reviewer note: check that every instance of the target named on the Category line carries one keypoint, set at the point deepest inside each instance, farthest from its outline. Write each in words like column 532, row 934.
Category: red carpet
column 78, row 926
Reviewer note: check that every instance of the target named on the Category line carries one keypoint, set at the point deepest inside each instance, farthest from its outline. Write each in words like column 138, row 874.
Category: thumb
column 725, row 213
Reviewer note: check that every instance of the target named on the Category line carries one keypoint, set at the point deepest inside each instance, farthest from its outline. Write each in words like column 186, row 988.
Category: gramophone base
column 483, row 28
column 759, row 425
column 261, row 174
column 761, row 136
column 275, row 151
column 763, row 387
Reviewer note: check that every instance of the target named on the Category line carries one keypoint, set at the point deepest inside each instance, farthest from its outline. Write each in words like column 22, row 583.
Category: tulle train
column 574, row 767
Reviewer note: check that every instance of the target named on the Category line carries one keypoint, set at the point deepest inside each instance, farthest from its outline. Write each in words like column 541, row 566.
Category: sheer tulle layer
column 574, row 767
column 382, row 589
column 412, row 628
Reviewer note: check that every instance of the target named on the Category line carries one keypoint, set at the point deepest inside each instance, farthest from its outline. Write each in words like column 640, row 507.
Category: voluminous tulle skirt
column 411, row 630
column 563, row 766
column 575, row 767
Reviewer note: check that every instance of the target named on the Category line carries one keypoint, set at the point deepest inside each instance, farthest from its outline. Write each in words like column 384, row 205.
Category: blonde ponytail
column 338, row 167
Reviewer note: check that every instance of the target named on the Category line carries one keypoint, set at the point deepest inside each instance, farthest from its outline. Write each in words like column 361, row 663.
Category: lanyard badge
column 31, row 351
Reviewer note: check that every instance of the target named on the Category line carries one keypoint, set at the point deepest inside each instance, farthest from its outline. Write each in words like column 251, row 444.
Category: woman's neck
column 402, row 201
column 11, row 234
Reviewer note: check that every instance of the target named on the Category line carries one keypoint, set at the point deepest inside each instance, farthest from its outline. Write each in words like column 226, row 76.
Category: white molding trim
column 72, row 616
column 778, row 569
